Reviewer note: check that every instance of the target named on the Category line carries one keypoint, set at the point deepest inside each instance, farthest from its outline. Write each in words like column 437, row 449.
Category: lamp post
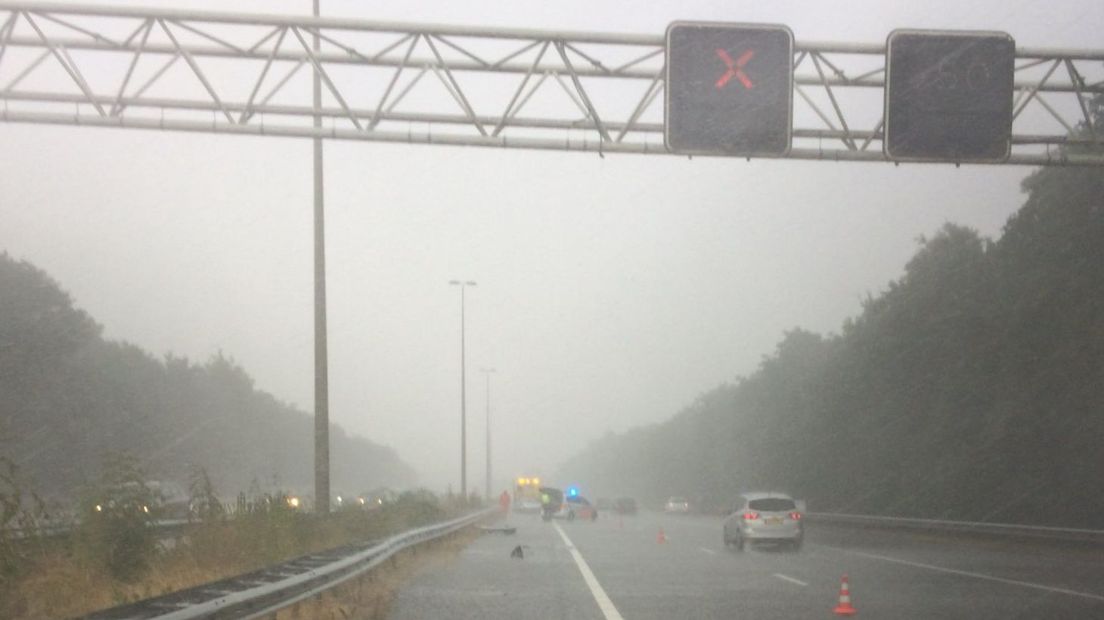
column 463, row 284
column 321, row 349
column 487, row 373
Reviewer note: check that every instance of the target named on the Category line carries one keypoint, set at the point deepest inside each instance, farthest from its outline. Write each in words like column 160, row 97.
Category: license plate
column 773, row 520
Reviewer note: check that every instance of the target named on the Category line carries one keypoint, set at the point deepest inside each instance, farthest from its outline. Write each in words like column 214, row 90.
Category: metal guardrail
column 265, row 591
column 963, row 527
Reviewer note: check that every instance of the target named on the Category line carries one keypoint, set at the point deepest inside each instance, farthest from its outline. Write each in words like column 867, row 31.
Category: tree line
column 69, row 397
column 971, row 388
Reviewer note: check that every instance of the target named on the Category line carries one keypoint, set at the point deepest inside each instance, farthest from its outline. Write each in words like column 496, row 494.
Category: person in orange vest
column 504, row 502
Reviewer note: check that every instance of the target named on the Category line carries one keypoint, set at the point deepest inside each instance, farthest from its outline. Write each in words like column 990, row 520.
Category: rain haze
column 611, row 291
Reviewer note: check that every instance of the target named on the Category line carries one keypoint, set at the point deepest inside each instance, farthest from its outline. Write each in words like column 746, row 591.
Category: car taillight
column 796, row 516
column 751, row 516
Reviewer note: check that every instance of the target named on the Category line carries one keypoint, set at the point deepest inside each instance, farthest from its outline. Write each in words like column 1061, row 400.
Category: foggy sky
column 611, row 291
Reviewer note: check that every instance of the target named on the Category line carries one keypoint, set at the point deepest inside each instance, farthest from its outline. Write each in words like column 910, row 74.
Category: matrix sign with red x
column 729, row 89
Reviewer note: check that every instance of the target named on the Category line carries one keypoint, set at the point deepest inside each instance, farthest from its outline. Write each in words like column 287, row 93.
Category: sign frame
column 887, row 88
column 668, row 91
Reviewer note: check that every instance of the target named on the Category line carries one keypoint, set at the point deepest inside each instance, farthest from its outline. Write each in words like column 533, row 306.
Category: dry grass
column 62, row 586
column 65, row 582
column 369, row 597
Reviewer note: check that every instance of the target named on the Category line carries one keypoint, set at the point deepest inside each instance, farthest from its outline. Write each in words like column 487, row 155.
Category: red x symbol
column 735, row 69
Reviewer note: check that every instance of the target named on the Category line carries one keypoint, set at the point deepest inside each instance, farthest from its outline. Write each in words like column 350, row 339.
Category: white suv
column 677, row 505
column 764, row 517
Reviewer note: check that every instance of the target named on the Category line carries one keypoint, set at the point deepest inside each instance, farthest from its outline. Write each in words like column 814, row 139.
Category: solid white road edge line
column 965, row 573
column 600, row 596
column 790, row 579
column 708, row 550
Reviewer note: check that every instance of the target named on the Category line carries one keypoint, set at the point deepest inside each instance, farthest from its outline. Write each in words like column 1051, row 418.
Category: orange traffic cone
column 661, row 537
column 844, row 608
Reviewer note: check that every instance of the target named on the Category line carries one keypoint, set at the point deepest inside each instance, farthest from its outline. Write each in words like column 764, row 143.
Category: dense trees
column 971, row 388
column 70, row 398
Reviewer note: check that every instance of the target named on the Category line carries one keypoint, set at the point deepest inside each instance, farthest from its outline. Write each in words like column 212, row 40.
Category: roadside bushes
column 20, row 515
column 118, row 552
column 117, row 520
column 203, row 502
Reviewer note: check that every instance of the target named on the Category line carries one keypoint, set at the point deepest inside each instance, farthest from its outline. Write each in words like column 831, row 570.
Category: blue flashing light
column 572, row 491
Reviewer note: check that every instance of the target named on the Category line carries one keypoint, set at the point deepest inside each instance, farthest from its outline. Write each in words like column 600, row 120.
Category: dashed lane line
column 966, row 573
column 790, row 579
column 604, row 603
column 708, row 550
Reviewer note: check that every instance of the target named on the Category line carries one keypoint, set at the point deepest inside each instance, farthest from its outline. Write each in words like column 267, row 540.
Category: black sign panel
column 948, row 96
column 729, row 89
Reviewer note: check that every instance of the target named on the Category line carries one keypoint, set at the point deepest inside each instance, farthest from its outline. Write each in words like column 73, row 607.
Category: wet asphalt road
column 625, row 573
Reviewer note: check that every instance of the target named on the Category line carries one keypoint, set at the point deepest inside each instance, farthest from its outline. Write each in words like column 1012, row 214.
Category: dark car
column 551, row 499
column 625, row 505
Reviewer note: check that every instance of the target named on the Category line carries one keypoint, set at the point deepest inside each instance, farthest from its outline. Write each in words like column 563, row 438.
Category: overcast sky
column 611, row 292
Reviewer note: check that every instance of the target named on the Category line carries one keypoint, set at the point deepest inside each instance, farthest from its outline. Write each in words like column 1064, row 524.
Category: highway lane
column 485, row 582
column 692, row 575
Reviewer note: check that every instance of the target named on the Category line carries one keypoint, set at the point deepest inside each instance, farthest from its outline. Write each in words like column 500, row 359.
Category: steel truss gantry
column 246, row 74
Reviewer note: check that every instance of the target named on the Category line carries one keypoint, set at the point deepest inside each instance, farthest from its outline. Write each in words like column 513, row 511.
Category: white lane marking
column 708, row 550
column 600, row 596
column 790, row 579
column 966, row 573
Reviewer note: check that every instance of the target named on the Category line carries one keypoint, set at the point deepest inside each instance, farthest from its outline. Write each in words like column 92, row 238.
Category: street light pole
column 487, row 373
column 321, row 353
column 463, row 284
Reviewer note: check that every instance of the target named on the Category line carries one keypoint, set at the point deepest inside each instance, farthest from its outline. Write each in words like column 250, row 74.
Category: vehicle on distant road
column 127, row 499
column 527, row 495
column 625, row 505
column 164, row 500
column 764, row 517
column 527, row 505
column 677, row 505
column 374, row 499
